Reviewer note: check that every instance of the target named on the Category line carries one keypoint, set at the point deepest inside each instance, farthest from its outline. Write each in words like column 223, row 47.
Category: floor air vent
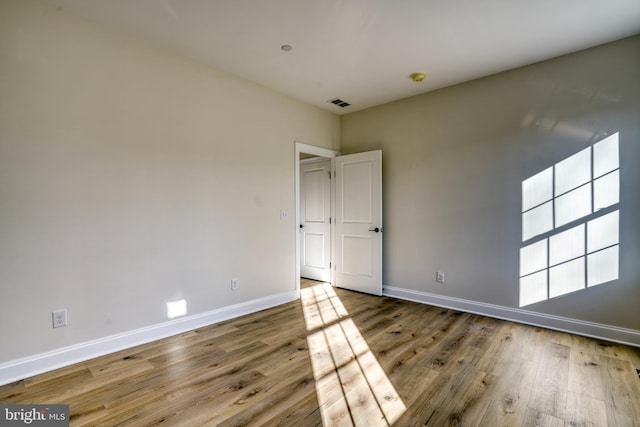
column 339, row 102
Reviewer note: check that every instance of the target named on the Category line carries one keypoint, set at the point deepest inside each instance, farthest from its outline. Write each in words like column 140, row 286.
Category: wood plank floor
column 342, row 358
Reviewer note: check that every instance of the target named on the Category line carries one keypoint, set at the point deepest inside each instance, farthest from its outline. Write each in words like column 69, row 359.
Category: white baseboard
column 564, row 324
column 26, row 367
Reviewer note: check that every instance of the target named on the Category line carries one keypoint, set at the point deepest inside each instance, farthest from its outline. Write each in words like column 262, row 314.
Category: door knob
column 376, row 229
column 301, row 226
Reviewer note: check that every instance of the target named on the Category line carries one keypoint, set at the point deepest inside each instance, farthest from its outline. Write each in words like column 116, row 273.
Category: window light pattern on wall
column 570, row 222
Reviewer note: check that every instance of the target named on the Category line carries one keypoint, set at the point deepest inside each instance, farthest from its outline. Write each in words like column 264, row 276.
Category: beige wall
column 454, row 160
column 129, row 177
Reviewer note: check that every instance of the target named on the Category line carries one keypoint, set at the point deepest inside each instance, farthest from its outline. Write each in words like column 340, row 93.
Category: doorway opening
column 315, row 218
column 314, row 202
column 355, row 230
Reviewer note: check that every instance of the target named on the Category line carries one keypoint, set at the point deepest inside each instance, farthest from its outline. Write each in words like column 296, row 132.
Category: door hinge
column 329, row 220
column 329, row 174
column 329, row 265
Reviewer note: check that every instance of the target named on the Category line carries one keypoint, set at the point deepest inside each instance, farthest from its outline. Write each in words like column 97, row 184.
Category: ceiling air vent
column 339, row 102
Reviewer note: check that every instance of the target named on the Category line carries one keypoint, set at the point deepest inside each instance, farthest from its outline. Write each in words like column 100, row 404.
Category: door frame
column 331, row 155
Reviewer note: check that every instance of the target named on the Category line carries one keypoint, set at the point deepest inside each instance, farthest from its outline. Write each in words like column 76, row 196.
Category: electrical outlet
column 284, row 215
column 59, row 318
column 234, row 284
column 440, row 276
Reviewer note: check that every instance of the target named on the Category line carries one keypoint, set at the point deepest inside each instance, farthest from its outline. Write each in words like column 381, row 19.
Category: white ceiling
column 363, row 51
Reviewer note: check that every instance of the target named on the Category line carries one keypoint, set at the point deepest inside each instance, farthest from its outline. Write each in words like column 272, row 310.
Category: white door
column 315, row 226
column 359, row 222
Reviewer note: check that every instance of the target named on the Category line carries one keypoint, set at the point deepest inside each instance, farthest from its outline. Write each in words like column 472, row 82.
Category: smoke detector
column 418, row 77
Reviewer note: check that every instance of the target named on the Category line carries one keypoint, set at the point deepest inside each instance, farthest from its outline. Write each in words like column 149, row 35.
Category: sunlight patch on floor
column 352, row 388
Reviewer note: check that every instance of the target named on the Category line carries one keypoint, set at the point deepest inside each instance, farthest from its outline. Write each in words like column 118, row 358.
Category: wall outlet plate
column 234, row 284
column 59, row 318
column 440, row 276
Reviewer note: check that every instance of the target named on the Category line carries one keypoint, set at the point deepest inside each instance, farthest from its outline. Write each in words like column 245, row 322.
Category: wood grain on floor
column 343, row 358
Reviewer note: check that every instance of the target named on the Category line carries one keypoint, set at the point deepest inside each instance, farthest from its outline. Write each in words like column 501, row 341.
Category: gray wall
column 454, row 160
